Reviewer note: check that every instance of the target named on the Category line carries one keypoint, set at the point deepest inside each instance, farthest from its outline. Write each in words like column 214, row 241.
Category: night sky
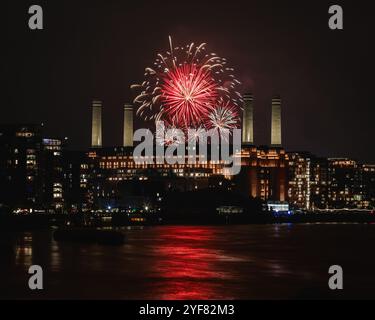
column 97, row 49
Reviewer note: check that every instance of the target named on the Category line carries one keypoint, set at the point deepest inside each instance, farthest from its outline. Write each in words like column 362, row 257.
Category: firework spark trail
column 169, row 135
column 224, row 118
column 196, row 134
column 184, row 86
column 189, row 94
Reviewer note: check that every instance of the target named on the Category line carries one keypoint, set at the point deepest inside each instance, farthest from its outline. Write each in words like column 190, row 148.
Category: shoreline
column 43, row 221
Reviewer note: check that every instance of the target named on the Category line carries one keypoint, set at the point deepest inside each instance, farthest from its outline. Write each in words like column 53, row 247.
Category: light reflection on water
column 187, row 262
column 194, row 262
column 24, row 250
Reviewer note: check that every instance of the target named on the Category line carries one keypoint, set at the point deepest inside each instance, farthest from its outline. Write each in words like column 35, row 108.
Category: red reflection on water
column 191, row 268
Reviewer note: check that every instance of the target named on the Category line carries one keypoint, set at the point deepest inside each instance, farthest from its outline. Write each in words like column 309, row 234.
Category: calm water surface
column 196, row 262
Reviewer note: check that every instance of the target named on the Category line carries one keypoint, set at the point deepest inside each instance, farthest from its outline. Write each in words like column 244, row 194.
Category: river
column 284, row 261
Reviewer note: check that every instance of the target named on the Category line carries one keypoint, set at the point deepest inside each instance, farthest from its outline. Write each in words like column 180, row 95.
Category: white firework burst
column 224, row 118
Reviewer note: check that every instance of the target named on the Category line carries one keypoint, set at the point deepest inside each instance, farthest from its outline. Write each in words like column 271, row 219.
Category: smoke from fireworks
column 186, row 87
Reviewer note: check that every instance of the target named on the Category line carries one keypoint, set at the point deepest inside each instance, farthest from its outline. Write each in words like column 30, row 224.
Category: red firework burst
column 189, row 94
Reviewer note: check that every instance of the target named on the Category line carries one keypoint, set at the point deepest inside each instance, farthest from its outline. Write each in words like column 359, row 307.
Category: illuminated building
column 345, row 189
column 319, row 186
column 299, row 185
column 248, row 120
column 263, row 169
column 20, row 150
column 51, row 174
column 96, row 133
column 308, row 181
column 277, row 206
column 368, row 185
column 276, row 122
column 77, row 194
column 31, row 170
column 263, row 173
column 39, row 173
column 117, row 180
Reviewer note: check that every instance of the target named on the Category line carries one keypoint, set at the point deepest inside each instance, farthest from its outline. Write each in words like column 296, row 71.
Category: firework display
column 167, row 134
column 191, row 89
column 224, row 117
column 189, row 93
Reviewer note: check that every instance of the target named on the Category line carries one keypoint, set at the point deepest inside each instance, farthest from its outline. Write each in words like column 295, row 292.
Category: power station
column 247, row 123
column 104, row 177
column 263, row 169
